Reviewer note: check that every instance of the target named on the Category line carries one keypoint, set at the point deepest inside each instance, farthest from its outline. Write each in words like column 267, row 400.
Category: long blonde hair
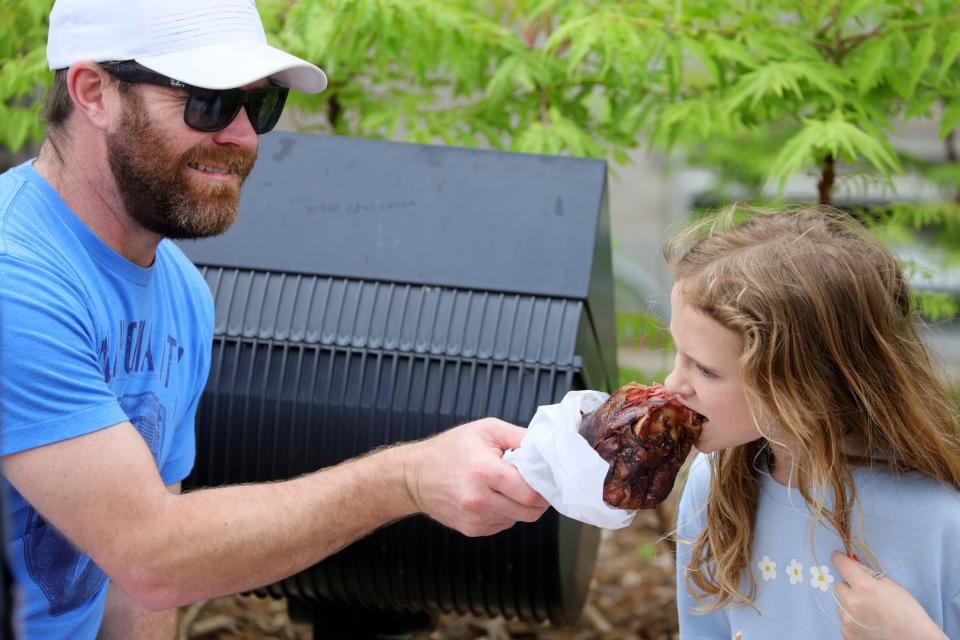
column 831, row 350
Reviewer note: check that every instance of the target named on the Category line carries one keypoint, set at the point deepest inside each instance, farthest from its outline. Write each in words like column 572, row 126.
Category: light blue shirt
column 910, row 522
column 87, row 340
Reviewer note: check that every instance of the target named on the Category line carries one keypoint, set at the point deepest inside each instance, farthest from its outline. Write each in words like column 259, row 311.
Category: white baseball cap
column 214, row 44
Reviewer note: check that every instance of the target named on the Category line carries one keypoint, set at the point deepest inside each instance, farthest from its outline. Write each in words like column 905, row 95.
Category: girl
column 827, row 429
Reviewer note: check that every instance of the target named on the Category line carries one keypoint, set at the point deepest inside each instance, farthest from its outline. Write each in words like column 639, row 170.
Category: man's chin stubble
column 202, row 218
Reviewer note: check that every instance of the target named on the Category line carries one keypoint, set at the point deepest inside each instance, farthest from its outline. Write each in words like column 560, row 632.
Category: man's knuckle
column 531, row 498
column 529, row 517
column 497, row 476
column 473, row 502
column 477, row 474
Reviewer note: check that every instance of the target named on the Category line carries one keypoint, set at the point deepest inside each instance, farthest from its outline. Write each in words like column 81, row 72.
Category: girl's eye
column 706, row 373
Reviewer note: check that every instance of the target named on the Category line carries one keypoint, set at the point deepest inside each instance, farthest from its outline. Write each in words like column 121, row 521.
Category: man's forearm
column 224, row 540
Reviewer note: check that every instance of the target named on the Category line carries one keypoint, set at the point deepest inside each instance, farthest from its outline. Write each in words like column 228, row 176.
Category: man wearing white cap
column 106, row 334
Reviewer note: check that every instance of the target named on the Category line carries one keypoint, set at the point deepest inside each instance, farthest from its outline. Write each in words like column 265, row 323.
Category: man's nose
column 239, row 132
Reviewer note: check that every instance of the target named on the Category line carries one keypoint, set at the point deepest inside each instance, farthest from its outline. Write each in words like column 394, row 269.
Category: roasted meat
column 645, row 434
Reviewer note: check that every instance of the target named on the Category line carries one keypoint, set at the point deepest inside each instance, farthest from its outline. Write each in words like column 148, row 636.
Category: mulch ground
column 632, row 596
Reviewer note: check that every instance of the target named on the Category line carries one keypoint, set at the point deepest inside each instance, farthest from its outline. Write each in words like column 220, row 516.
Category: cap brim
column 235, row 64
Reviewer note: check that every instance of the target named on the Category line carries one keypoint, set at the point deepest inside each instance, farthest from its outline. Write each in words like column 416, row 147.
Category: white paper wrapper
column 561, row 466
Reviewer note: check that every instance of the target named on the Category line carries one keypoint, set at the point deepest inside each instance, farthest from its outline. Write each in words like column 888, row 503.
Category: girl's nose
column 674, row 383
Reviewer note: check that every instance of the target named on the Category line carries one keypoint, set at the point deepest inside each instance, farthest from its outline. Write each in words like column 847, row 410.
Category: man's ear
column 93, row 92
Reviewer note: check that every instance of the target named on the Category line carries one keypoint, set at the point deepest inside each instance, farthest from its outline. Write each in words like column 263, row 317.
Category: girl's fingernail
column 854, row 556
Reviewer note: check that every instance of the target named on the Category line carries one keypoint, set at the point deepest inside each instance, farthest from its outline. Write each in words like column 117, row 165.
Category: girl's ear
column 92, row 96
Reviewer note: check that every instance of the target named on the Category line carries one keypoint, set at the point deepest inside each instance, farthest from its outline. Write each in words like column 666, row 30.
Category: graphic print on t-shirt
column 67, row 577
column 130, row 352
column 149, row 416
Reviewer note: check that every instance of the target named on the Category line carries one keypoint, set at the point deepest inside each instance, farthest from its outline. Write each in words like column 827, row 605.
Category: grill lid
column 419, row 214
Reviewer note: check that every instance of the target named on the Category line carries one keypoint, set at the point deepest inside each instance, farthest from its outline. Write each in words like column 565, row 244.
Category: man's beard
column 155, row 186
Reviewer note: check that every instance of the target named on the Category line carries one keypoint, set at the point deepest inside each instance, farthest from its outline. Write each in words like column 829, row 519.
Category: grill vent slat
column 434, row 320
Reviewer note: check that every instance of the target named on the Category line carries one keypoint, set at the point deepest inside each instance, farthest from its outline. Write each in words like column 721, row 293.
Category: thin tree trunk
column 333, row 112
column 952, row 158
column 827, row 177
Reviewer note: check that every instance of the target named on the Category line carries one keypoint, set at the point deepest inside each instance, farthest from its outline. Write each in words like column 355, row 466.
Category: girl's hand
column 878, row 608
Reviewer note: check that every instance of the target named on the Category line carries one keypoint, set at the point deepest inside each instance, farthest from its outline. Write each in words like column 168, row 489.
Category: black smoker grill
column 374, row 292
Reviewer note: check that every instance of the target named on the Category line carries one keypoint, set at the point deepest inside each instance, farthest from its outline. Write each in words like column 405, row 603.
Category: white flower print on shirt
column 795, row 571
column 768, row 568
column 820, row 577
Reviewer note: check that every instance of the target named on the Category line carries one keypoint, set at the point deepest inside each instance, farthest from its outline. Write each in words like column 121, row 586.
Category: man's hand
column 878, row 609
column 459, row 478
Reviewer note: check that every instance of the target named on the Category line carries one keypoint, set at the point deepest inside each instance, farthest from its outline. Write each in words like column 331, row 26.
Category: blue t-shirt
column 910, row 522
column 87, row 340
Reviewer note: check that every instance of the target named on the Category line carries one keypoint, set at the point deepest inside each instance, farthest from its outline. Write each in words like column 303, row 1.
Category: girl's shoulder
column 909, row 495
column 911, row 483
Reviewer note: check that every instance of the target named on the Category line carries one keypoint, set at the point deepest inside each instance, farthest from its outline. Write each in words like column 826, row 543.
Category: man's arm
column 124, row 619
column 104, row 493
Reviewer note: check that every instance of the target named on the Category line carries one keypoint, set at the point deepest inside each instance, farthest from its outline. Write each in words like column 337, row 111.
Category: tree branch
column 827, row 178
column 822, row 31
column 850, row 43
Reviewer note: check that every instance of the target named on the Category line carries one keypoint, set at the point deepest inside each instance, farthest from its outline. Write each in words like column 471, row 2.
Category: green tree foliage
column 586, row 78
column 23, row 70
column 457, row 71
column 756, row 91
column 818, row 82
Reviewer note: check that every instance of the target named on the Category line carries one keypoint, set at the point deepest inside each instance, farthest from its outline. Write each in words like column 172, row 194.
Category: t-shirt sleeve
column 691, row 520
column 51, row 387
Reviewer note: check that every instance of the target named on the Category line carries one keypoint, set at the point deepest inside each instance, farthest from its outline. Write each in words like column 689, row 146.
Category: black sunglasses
column 212, row 110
